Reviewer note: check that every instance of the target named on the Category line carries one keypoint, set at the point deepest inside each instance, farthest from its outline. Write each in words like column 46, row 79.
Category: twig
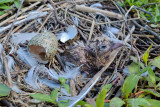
column 144, row 11
column 91, row 30
column 55, row 13
column 60, row 61
column 143, row 36
column 150, row 4
column 25, row 27
column 94, row 10
column 82, row 35
column 19, row 18
column 44, row 22
column 17, row 28
column 148, row 30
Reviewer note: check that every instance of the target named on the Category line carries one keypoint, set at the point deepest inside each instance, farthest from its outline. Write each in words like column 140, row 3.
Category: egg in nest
column 43, row 46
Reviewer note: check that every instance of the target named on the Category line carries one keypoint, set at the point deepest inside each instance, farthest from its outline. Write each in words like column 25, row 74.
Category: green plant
column 4, row 90
column 63, row 80
column 6, row 4
column 152, row 6
column 136, row 69
column 99, row 100
column 54, row 95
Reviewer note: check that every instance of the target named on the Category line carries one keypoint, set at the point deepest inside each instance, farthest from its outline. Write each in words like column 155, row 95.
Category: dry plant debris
column 88, row 43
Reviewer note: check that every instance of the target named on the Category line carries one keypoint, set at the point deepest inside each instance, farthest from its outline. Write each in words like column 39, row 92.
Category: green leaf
column 54, row 95
column 107, row 87
column 120, row 3
column 143, row 16
column 141, row 64
column 62, row 104
column 138, row 3
column 134, row 68
column 17, row 3
column 4, row 90
column 100, row 99
column 145, row 69
column 62, row 80
column 158, row 85
column 134, row 59
column 5, row 7
column 106, row 104
column 153, row 103
column 2, row 12
column 129, row 84
column 67, row 87
column 137, row 102
column 156, row 62
column 64, row 101
column 5, row 1
column 151, row 91
column 154, row 25
column 152, row 75
column 81, row 103
column 87, row 105
column 157, row 11
column 146, row 55
column 116, row 102
column 42, row 97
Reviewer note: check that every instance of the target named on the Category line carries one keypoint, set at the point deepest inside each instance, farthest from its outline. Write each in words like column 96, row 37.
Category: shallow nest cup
column 43, row 45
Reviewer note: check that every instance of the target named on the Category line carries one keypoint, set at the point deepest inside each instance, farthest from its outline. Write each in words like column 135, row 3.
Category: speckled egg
column 44, row 45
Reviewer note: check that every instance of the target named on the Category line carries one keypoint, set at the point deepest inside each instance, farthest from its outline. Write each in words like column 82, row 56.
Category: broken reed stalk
column 94, row 10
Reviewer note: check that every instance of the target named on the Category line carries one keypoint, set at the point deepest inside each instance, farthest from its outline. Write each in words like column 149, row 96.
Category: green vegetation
column 99, row 100
column 150, row 6
column 4, row 90
column 54, row 95
column 7, row 4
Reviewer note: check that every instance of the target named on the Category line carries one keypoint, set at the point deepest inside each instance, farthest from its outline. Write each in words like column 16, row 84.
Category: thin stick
column 17, row 28
column 143, row 36
column 91, row 30
column 26, row 26
column 94, row 10
column 19, row 18
column 44, row 22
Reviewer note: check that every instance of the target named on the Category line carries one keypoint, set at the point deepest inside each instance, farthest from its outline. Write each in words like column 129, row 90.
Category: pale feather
column 26, row 57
